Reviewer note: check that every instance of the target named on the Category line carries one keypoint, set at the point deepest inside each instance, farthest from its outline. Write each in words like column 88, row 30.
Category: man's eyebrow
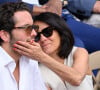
column 24, row 25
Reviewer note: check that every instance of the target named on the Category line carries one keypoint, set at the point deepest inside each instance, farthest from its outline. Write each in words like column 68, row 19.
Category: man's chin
column 28, row 40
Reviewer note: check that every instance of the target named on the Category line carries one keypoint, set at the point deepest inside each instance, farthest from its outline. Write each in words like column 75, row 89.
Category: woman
column 63, row 66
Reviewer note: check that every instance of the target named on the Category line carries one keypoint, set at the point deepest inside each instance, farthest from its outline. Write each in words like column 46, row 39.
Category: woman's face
column 50, row 45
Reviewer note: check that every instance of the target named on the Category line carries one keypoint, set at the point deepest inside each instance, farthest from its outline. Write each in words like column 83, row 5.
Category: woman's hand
column 30, row 49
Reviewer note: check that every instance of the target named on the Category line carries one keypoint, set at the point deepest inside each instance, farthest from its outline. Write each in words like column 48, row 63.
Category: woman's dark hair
column 7, row 11
column 66, row 36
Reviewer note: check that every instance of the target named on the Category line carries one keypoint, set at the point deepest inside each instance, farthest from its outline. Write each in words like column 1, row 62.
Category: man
column 17, row 72
column 86, row 36
column 52, row 6
column 81, row 8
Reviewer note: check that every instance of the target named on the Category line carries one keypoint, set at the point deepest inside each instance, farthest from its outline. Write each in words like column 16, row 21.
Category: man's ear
column 4, row 36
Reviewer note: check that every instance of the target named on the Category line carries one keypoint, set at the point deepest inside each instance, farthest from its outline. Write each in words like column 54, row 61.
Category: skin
column 96, row 8
column 50, row 6
column 54, row 6
column 47, row 48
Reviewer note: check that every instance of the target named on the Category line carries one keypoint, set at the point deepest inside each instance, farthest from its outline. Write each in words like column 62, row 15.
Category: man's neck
column 12, row 53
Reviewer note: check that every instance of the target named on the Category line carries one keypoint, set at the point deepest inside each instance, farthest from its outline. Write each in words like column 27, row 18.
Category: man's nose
column 33, row 33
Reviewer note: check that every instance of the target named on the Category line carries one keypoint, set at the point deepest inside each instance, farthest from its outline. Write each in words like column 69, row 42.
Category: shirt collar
column 5, row 58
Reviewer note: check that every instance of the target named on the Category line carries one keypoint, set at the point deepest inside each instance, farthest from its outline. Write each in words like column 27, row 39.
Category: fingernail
column 14, row 45
column 14, row 48
column 17, row 42
column 32, row 41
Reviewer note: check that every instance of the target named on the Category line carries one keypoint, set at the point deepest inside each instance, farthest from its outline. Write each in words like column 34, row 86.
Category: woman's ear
column 4, row 36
